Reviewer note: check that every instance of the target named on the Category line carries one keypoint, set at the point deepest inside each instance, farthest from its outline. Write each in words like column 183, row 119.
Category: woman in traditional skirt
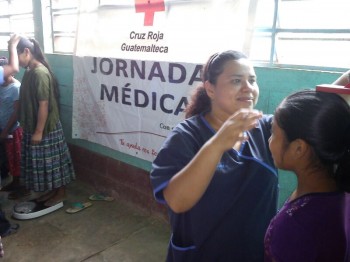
column 46, row 165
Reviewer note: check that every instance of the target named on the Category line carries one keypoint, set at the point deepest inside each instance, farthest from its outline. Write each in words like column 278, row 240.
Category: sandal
column 100, row 197
column 76, row 207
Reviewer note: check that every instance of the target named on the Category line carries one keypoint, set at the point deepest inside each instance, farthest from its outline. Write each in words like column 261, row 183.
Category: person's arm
column 343, row 80
column 188, row 185
column 42, row 117
column 13, row 66
column 12, row 120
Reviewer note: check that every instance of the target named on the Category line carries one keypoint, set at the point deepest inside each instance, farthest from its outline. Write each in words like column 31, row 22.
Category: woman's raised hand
column 234, row 128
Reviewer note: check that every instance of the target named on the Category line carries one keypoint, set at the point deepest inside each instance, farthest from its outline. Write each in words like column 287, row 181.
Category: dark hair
column 323, row 121
column 200, row 101
column 37, row 53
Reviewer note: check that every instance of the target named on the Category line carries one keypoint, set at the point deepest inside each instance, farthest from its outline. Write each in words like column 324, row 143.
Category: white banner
column 137, row 61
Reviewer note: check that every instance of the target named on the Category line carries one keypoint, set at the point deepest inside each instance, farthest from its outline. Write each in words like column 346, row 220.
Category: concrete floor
column 106, row 231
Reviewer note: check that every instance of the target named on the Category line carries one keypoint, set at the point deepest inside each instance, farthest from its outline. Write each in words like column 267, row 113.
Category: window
column 311, row 33
column 51, row 22
column 16, row 16
column 302, row 32
column 59, row 31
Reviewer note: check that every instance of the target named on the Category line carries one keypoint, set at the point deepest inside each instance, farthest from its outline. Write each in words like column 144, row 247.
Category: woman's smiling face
column 235, row 88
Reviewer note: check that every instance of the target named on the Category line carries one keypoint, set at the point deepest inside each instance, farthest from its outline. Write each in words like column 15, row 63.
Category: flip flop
column 78, row 206
column 100, row 197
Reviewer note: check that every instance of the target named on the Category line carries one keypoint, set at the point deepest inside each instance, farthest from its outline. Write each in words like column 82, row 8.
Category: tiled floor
column 106, row 231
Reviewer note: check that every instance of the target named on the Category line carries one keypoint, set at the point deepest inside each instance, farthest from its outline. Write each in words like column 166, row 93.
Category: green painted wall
column 274, row 83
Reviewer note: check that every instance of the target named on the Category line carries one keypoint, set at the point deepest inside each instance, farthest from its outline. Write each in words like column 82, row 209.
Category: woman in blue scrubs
column 215, row 172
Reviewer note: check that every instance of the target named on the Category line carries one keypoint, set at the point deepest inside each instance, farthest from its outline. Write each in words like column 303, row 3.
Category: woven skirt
column 48, row 165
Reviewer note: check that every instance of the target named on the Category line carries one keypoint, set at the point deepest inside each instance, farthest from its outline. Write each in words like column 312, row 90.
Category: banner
column 137, row 61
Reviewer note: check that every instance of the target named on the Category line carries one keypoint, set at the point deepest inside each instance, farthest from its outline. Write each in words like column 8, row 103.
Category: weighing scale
column 33, row 209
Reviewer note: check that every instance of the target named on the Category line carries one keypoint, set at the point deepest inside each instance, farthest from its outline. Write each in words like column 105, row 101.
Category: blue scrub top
column 229, row 221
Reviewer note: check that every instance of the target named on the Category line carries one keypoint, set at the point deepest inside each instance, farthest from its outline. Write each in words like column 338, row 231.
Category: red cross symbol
column 149, row 7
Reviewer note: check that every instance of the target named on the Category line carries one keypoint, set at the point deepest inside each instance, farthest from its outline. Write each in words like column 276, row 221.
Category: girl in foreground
column 311, row 137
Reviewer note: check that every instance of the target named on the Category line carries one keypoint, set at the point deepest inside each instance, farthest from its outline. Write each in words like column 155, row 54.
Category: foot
column 58, row 197
column 54, row 201
column 46, row 196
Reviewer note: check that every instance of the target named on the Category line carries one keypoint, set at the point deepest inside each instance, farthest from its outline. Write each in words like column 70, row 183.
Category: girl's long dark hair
column 200, row 101
column 323, row 121
column 36, row 51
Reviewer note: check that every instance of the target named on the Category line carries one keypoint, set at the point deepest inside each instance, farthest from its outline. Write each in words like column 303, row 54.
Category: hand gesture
column 234, row 128
column 14, row 40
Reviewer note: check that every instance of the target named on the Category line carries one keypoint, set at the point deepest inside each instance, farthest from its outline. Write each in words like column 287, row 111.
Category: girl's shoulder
column 40, row 69
column 39, row 73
